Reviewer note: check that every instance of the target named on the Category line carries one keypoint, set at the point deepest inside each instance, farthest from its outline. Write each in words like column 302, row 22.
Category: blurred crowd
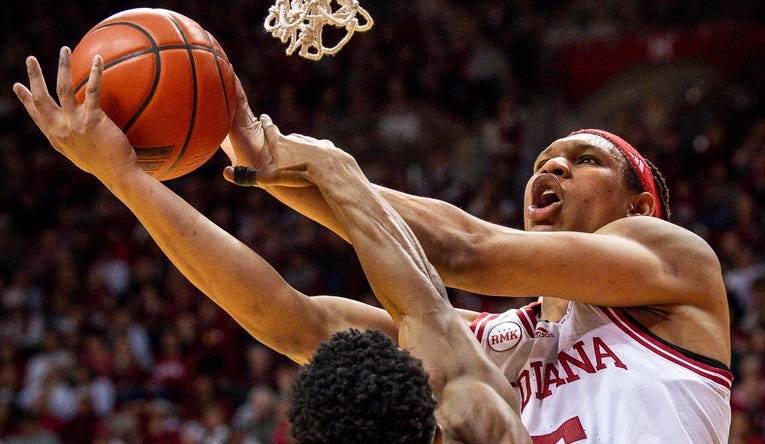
column 102, row 340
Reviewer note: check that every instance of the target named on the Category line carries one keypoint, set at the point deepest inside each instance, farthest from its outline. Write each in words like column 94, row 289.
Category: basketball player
column 476, row 402
column 475, row 398
column 639, row 303
column 667, row 361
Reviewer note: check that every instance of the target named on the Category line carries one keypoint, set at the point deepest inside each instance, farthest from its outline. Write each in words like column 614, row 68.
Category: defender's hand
column 290, row 161
column 82, row 133
column 245, row 145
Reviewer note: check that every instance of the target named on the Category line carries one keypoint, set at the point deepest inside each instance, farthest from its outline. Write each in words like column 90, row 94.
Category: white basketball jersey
column 598, row 376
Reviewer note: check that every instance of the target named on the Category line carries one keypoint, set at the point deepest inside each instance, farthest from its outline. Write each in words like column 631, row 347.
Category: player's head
column 589, row 179
column 360, row 388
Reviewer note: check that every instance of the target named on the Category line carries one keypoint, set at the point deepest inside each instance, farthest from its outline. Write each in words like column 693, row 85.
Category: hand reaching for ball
column 83, row 133
column 245, row 145
column 262, row 156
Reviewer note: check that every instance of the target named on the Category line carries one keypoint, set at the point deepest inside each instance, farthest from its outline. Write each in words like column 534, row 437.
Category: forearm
column 310, row 203
column 477, row 256
column 394, row 263
column 226, row 270
column 443, row 230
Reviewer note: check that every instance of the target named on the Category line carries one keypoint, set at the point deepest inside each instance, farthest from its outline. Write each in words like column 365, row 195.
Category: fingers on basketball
column 64, row 80
column 273, row 135
column 93, row 89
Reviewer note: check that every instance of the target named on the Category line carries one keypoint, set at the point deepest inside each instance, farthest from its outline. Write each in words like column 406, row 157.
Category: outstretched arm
column 638, row 261
column 407, row 285
column 442, row 229
column 236, row 278
column 227, row 271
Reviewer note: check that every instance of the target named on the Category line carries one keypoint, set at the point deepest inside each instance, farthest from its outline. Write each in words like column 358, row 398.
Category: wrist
column 340, row 173
column 118, row 182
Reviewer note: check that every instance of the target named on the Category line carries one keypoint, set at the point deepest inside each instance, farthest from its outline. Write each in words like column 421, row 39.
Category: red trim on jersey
column 474, row 325
column 706, row 362
column 524, row 316
column 531, row 312
column 719, row 376
column 477, row 319
column 479, row 324
column 622, row 316
column 532, row 307
column 530, row 319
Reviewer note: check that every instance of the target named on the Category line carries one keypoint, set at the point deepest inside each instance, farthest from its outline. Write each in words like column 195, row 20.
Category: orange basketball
column 167, row 83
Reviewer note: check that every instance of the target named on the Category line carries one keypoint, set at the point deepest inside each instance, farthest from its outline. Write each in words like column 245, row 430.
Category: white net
column 300, row 24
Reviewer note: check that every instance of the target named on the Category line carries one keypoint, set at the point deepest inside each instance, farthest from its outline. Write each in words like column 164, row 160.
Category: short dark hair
column 633, row 183
column 361, row 388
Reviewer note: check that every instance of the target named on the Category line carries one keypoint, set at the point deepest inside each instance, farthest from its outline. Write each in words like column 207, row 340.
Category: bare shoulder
column 659, row 234
column 684, row 255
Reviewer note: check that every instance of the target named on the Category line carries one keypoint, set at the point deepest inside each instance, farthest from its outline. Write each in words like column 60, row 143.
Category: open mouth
column 546, row 197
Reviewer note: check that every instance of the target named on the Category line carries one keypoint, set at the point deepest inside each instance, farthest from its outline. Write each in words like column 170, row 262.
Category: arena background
column 101, row 340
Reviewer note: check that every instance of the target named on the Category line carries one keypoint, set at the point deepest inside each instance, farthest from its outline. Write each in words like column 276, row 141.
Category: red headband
column 636, row 160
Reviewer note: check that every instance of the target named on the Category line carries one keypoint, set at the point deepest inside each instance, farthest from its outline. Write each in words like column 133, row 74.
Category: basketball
column 167, row 84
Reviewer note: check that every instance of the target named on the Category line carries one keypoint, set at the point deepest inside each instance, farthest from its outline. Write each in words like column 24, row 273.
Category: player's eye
column 588, row 159
column 539, row 165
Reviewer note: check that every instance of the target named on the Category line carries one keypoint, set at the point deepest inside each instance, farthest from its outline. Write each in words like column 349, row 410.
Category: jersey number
column 569, row 432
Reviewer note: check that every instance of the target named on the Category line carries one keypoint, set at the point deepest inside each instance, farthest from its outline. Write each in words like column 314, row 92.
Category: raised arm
column 465, row 382
column 404, row 281
column 443, row 229
column 634, row 261
column 227, row 271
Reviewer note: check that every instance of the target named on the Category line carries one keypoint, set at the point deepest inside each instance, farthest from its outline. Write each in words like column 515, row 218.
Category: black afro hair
column 360, row 388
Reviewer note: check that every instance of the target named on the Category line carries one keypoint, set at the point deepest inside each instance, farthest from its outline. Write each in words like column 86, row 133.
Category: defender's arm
column 410, row 289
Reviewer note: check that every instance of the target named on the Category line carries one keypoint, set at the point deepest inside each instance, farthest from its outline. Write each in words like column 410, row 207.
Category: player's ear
column 642, row 204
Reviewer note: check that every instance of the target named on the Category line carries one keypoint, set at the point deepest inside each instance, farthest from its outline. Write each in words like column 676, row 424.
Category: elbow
column 458, row 255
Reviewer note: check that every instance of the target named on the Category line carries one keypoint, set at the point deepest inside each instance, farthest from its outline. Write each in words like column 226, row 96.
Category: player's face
column 578, row 185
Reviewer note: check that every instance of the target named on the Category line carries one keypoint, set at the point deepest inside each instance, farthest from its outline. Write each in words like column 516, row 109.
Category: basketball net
column 300, row 24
